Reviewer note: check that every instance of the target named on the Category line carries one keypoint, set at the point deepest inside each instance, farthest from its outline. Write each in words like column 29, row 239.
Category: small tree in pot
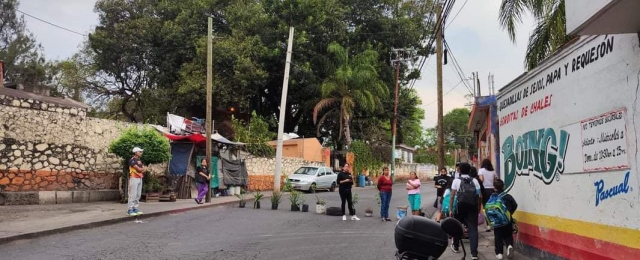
column 303, row 202
column 294, row 198
column 276, row 196
column 257, row 196
column 320, row 205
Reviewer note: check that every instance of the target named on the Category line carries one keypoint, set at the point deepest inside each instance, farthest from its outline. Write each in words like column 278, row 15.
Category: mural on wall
column 603, row 192
column 540, row 153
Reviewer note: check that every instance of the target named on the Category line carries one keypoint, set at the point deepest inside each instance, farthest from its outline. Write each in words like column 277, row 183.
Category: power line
column 454, row 17
column 52, row 24
column 454, row 87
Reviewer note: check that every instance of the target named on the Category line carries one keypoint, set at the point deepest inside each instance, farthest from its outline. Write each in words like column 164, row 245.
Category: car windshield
column 306, row 170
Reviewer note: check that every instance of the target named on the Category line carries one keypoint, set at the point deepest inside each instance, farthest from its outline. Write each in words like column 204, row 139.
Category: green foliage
column 295, row 197
column 276, row 197
column 457, row 135
column 288, row 186
column 320, row 201
column 549, row 33
column 256, row 134
column 354, row 198
column 156, row 147
column 429, row 156
column 151, row 183
column 364, row 157
column 18, row 49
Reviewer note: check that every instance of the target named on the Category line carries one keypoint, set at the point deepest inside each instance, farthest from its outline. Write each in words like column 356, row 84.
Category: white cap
column 137, row 149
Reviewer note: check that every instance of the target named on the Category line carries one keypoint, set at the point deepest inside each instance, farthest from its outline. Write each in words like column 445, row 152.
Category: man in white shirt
column 468, row 207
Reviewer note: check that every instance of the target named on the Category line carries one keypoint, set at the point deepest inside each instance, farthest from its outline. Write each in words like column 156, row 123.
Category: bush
column 156, row 147
column 364, row 158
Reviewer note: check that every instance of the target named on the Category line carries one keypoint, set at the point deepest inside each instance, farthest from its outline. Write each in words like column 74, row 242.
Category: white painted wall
column 607, row 84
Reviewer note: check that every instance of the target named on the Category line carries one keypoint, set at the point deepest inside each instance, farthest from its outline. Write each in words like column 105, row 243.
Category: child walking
column 504, row 234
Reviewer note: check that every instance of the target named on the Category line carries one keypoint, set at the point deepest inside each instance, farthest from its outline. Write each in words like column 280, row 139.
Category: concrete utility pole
column 209, row 97
column 478, row 81
column 283, row 105
column 440, row 25
column 398, row 57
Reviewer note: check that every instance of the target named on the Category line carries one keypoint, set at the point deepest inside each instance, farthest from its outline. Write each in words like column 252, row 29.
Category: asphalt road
column 229, row 232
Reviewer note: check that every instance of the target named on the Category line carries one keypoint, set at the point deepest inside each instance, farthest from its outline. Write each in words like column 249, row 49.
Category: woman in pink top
column 413, row 188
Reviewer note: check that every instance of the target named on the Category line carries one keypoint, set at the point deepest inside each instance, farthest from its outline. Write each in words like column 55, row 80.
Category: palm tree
column 353, row 84
column 550, row 32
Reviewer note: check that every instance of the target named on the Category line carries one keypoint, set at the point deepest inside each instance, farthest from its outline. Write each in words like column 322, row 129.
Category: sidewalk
column 31, row 221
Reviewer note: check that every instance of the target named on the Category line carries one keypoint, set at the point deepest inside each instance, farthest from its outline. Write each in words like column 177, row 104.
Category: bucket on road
column 402, row 212
column 361, row 181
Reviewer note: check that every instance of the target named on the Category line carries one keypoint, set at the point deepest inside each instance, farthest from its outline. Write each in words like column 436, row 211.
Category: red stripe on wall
column 573, row 246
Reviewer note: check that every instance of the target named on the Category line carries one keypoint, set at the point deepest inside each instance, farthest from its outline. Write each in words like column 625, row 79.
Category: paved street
column 228, row 232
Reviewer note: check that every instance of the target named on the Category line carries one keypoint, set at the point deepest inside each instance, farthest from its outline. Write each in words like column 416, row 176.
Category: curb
column 96, row 224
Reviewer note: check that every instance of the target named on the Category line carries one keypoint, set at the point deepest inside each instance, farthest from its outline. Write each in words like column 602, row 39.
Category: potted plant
column 242, row 196
column 275, row 200
column 257, row 196
column 294, row 197
column 368, row 212
column 320, row 205
column 302, row 201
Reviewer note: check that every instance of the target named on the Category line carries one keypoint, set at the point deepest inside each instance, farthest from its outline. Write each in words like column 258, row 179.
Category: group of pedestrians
column 385, row 184
column 471, row 195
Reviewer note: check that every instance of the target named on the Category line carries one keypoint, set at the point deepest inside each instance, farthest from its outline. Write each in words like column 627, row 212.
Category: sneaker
column 344, row 217
column 474, row 258
column 384, row 219
column 354, row 217
column 137, row 212
column 499, row 256
column 509, row 250
column 453, row 248
column 130, row 212
column 387, row 219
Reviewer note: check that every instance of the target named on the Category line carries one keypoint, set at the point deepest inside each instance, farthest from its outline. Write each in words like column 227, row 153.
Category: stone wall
column 261, row 171
column 49, row 147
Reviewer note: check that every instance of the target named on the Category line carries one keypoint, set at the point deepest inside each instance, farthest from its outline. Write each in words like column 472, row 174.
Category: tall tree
column 457, row 134
column 550, row 31
column 354, row 83
column 18, row 49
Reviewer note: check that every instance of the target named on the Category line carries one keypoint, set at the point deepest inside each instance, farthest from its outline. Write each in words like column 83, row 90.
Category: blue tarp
column 180, row 153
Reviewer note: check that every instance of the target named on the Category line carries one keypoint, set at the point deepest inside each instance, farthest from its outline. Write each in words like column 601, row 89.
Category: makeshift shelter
column 188, row 147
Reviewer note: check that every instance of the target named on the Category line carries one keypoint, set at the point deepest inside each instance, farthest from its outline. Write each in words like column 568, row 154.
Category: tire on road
column 334, row 211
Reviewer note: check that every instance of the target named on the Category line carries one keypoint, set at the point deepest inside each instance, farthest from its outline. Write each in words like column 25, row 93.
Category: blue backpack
column 496, row 211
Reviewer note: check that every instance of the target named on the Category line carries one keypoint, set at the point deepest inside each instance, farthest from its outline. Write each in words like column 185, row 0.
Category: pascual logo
column 539, row 152
column 602, row 194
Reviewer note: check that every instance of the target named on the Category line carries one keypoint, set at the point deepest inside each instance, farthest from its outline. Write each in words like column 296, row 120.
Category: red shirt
column 384, row 184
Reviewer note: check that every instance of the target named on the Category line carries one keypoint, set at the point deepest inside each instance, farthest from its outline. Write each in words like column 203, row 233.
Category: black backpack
column 467, row 193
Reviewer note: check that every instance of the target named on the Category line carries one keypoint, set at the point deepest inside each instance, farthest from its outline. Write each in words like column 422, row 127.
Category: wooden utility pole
column 209, row 97
column 283, row 105
column 440, row 26
column 395, row 122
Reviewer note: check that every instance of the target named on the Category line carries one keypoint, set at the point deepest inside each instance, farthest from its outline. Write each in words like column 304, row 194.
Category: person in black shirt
column 345, row 180
column 202, row 180
column 441, row 183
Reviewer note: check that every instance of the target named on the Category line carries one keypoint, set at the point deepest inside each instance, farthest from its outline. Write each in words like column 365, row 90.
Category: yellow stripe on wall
column 617, row 235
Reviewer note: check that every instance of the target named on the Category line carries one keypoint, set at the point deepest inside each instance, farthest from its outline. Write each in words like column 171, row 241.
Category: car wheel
column 312, row 188
column 333, row 187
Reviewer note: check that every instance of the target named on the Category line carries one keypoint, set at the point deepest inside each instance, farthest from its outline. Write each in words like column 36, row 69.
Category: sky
column 475, row 38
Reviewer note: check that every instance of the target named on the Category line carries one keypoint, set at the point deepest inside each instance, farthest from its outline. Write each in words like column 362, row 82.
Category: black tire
column 334, row 211
column 313, row 187
column 333, row 187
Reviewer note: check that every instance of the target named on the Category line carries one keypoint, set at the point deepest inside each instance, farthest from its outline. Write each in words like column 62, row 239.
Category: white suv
column 312, row 178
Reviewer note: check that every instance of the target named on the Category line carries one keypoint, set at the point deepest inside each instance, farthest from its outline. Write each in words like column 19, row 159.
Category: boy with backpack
column 499, row 209
column 469, row 204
